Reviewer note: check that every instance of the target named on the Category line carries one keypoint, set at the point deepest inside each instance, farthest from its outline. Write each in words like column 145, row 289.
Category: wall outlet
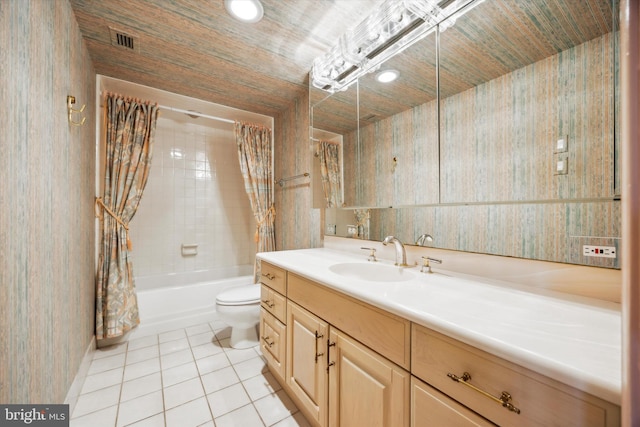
column 599, row 251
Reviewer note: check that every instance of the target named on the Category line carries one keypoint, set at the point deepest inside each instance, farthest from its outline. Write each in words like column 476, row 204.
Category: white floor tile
column 172, row 336
column 176, row 358
column 154, row 421
column 140, row 386
column 102, row 418
column 243, row 417
column 206, row 350
column 199, row 339
column 223, row 334
column 190, row 414
column 261, row 385
column 173, row 346
column 212, row 363
column 106, row 363
column 141, row 369
column 179, row 374
column 275, row 407
column 228, row 399
column 219, row 379
column 142, row 342
column 198, row 329
column 141, row 354
column 240, row 355
column 250, row 368
column 208, row 424
column 183, row 392
column 140, row 408
column 97, row 400
column 296, row 420
column 102, row 380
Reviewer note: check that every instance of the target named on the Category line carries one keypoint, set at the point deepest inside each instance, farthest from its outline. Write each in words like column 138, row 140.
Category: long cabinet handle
column 269, row 276
column 269, row 303
column 318, row 355
column 504, row 400
column 266, row 340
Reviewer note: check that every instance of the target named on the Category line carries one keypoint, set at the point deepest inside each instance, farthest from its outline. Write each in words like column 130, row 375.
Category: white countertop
column 569, row 339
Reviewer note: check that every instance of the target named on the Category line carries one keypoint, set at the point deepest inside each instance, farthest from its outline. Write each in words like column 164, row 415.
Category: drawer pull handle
column 269, row 276
column 504, row 400
column 266, row 340
column 268, row 303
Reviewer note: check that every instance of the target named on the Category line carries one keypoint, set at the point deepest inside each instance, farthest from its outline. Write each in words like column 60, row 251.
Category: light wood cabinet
column 528, row 399
column 306, row 361
column 430, row 408
column 273, row 342
column 365, row 389
column 345, row 363
column 274, row 277
column 273, row 302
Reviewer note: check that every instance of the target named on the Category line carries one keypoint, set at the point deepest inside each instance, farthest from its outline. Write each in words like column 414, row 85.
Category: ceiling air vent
column 124, row 40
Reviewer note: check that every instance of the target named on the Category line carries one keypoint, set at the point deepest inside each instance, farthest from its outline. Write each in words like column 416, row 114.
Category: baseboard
column 81, row 375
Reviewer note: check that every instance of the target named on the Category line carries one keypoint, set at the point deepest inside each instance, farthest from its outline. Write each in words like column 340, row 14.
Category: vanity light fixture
column 391, row 28
column 250, row 11
column 387, row 76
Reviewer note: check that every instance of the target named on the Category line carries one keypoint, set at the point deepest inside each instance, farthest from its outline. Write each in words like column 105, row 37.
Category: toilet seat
column 241, row 295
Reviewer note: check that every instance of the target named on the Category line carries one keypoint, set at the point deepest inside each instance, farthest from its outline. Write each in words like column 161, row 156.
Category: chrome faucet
column 401, row 254
column 423, row 239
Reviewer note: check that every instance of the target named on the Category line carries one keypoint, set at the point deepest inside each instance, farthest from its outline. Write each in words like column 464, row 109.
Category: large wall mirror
column 513, row 104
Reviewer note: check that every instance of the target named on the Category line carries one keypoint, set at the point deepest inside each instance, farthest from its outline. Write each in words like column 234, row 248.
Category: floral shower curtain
column 329, row 154
column 130, row 130
column 254, row 154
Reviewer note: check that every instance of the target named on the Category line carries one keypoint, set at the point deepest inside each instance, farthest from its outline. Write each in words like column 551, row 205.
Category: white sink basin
column 372, row 271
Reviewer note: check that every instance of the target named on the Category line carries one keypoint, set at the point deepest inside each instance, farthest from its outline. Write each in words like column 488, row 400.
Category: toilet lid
column 241, row 295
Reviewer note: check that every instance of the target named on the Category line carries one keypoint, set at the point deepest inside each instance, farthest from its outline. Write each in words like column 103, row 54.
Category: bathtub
column 168, row 308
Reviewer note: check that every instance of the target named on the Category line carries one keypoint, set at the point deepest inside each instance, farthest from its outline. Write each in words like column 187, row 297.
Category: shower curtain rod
column 195, row 113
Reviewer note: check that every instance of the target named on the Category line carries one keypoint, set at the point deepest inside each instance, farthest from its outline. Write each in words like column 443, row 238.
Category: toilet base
column 242, row 338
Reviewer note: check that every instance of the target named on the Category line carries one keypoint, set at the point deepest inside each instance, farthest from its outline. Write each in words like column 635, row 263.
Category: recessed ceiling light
column 387, row 76
column 245, row 10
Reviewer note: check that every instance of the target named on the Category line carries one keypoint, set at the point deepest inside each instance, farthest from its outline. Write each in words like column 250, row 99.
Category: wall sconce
column 390, row 29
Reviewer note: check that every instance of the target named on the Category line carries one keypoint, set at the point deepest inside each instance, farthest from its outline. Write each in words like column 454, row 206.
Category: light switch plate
column 562, row 166
column 562, row 144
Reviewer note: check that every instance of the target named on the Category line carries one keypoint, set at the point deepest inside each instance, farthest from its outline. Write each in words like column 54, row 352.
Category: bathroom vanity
column 399, row 347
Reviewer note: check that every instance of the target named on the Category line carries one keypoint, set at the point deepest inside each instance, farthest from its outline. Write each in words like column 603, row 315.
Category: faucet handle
column 426, row 262
column 372, row 254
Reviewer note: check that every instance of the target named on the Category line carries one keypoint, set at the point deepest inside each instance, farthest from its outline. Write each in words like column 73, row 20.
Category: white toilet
column 240, row 308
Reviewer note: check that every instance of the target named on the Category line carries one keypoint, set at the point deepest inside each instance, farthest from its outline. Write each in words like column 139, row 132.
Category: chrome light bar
column 390, row 29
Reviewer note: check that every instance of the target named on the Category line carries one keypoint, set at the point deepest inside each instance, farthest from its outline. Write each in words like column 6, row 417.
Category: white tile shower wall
column 195, row 195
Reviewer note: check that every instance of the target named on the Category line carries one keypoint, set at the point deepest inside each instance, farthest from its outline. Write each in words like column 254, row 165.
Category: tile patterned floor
column 183, row 378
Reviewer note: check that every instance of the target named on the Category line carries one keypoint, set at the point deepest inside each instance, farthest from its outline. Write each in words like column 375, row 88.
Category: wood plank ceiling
column 195, row 48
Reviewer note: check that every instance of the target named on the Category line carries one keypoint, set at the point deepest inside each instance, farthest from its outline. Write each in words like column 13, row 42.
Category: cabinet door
column 272, row 342
column 430, row 408
column 307, row 361
column 365, row 389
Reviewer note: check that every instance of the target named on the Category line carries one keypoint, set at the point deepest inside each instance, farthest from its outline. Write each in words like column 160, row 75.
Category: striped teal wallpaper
column 297, row 223
column 46, row 203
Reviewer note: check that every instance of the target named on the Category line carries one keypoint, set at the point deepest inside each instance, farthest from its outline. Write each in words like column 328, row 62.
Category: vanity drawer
column 273, row 334
column 430, row 408
column 274, row 277
column 386, row 333
column 540, row 400
column 273, row 302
